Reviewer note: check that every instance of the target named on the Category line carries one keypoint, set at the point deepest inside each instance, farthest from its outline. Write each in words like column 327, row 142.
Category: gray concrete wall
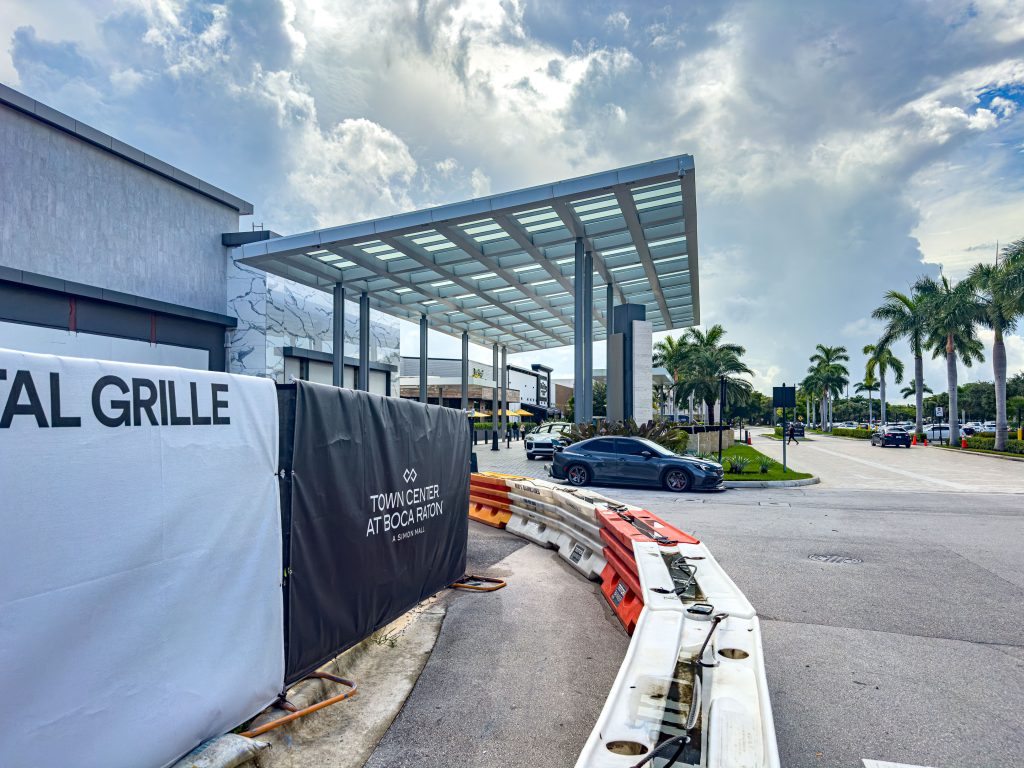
column 73, row 211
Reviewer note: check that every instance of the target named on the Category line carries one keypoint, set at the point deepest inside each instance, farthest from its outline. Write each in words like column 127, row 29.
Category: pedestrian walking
column 792, row 435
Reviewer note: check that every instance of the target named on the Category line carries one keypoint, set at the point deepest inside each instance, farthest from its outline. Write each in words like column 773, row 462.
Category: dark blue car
column 634, row 461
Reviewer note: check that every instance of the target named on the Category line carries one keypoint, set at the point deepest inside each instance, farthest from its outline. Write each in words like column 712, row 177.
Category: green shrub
column 778, row 431
column 738, row 464
column 482, row 425
column 989, row 444
column 863, row 434
column 765, row 464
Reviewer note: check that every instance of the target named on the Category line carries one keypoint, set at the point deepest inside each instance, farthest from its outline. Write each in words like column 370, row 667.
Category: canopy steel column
column 494, row 399
column 424, row 327
column 364, row 342
column 465, row 371
column 609, row 303
column 504, row 391
column 579, row 360
column 588, row 335
column 338, row 323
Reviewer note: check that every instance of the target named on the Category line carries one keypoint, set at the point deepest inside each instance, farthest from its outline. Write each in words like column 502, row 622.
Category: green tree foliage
column 953, row 312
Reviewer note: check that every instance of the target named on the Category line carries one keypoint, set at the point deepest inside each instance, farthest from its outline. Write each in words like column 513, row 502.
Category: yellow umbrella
column 478, row 414
column 521, row 412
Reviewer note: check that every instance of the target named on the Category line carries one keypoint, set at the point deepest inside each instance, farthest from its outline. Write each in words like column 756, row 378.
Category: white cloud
column 832, row 158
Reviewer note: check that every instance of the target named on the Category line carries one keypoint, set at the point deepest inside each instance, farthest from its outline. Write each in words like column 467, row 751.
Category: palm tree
column 996, row 285
column 706, row 361
column 952, row 310
column 882, row 359
column 669, row 354
column 905, row 317
column 869, row 385
column 911, row 388
column 807, row 388
column 830, row 375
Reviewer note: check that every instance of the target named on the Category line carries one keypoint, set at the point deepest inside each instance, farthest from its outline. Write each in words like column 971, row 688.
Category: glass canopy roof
column 501, row 267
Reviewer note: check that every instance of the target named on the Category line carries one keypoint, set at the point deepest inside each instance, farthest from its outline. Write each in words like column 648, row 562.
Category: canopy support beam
column 465, row 371
column 364, row 342
column 424, row 327
column 338, row 322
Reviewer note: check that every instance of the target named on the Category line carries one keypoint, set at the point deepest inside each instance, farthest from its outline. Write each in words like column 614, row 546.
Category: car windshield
column 653, row 447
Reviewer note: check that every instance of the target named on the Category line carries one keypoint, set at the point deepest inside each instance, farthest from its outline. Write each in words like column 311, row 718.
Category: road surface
column 890, row 598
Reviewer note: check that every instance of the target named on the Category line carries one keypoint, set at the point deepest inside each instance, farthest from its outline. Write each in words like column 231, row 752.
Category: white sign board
column 643, row 381
column 140, row 610
column 938, row 411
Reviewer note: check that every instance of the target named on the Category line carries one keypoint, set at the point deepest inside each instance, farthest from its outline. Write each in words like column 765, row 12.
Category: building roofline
column 51, row 117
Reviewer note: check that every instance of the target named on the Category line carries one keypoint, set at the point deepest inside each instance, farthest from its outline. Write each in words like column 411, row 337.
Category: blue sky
column 841, row 148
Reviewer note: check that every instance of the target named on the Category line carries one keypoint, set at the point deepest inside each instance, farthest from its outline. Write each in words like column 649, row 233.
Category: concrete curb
column 772, row 483
column 978, row 453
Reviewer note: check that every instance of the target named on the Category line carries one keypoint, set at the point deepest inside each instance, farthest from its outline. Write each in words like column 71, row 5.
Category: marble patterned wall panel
column 299, row 316
column 247, row 301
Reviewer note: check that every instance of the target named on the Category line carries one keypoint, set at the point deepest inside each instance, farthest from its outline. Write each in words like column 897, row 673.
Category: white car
column 541, row 442
column 937, row 432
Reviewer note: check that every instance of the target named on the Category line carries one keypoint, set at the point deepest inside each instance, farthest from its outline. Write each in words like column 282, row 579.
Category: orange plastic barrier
column 489, row 501
column 622, row 591
column 620, row 583
column 489, row 515
column 641, row 525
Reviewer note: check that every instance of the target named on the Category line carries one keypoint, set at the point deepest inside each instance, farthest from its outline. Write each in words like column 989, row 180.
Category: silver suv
column 541, row 442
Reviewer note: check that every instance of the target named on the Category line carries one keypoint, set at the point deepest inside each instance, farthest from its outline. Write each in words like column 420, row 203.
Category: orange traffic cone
column 963, row 442
column 926, row 442
column 749, row 440
column 913, row 440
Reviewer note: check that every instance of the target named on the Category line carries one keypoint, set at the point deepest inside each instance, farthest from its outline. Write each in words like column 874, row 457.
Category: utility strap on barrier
column 645, row 529
column 295, row 714
column 477, row 583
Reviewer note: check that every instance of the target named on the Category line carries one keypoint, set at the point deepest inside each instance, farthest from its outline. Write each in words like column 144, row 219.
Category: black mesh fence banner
column 375, row 495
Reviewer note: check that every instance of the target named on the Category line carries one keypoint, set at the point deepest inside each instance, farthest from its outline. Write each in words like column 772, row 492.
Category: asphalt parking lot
column 891, row 608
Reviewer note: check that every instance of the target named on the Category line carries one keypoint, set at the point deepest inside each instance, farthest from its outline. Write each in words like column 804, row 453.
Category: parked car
column 937, row 433
column 634, row 461
column 541, row 442
column 895, row 436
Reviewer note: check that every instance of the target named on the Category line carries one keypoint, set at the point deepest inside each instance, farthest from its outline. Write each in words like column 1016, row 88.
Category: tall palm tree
column 905, row 318
column 829, row 374
column 707, row 360
column 911, row 388
column 883, row 360
column 953, row 310
column 996, row 286
column 669, row 354
column 869, row 385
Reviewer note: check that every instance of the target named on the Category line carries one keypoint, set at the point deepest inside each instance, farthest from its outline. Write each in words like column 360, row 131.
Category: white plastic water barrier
column 706, row 652
column 140, row 537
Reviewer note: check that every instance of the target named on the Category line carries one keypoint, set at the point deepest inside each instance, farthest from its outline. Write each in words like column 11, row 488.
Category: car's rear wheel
column 676, row 480
column 577, row 474
column 530, row 457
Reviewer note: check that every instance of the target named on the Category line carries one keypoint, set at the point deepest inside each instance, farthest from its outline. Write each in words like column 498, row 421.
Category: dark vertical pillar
column 338, row 323
column 609, row 305
column 579, row 335
column 504, row 392
column 424, row 327
column 364, row 342
column 588, row 334
column 465, row 371
column 494, row 399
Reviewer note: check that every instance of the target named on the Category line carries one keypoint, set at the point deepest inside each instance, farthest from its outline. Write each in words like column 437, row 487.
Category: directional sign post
column 784, row 397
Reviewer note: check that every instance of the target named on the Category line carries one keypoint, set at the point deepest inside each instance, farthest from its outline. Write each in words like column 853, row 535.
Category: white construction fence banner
column 140, row 542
